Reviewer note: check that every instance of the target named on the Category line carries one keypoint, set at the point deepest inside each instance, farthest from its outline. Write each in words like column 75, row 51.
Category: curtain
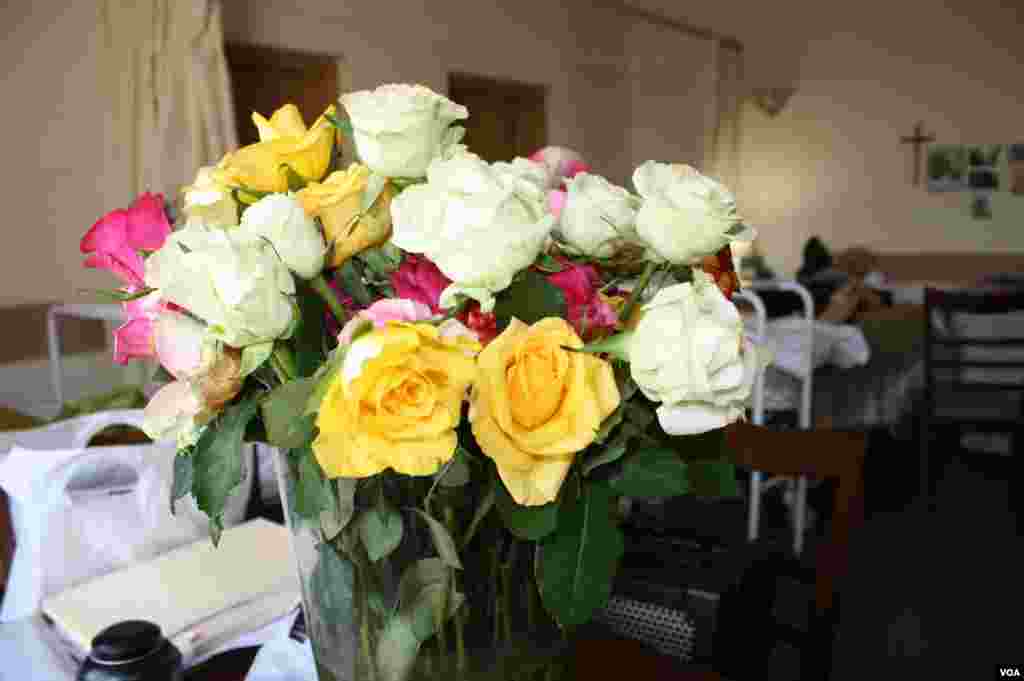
column 165, row 76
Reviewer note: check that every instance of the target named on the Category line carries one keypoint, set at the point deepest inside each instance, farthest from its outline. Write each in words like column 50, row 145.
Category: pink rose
column 587, row 311
column 114, row 241
column 419, row 279
column 382, row 312
column 556, row 202
column 134, row 338
column 562, row 164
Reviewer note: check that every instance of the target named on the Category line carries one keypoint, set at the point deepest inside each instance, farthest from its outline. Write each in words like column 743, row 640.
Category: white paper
column 283, row 659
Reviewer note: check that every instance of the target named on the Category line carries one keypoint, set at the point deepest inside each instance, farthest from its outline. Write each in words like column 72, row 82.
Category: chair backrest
column 974, row 341
column 832, row 455
column 721, row 604
column 828, row 455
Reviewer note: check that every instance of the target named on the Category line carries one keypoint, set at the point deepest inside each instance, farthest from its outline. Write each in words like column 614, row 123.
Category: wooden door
column 506, row 118
column 265, row 78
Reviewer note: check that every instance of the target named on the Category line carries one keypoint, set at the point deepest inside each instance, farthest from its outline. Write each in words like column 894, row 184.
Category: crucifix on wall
column 918, row 140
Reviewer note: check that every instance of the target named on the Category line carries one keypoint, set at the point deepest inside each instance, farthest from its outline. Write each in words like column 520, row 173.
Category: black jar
column 133, row 650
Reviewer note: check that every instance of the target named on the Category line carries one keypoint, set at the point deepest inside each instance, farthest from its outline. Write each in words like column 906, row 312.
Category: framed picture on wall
column 947, row 168
column 1015, row 163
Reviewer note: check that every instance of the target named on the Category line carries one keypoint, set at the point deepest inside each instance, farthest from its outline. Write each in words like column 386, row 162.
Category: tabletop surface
column 30, row 651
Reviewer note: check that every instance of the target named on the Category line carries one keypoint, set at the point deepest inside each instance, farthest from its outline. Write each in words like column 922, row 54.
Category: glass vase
column 406, row 579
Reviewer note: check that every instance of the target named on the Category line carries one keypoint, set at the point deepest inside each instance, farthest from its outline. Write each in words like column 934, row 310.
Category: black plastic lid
column 126, row 641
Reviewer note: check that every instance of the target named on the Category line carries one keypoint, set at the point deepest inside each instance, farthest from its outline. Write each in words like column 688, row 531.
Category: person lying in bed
column 843, row 288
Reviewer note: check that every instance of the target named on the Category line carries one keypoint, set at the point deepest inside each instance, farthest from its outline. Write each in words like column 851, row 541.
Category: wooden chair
column 974, row 370
column 747, row 629
column 828, row 455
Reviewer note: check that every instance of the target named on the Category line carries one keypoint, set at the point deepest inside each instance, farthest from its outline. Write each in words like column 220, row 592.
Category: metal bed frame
column 758, row 484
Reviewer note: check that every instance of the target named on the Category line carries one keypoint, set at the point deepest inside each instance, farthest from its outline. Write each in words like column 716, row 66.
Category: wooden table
column 595, row 658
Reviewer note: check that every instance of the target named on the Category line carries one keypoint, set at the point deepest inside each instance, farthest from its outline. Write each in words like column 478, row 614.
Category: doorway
column 265, row 78
column 506, row 118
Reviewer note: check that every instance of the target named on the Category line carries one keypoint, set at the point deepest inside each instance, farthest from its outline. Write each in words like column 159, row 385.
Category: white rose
column 399, row 129
column 479, row 225
column 210, row 201
column 280, row 219
column 535, row 175
column 689, row 353
column 240, row 289
column 175, row 411
column 684, row 215
column 597, row 215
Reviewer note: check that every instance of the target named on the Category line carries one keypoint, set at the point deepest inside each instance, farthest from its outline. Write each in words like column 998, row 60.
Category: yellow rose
column 535, row 405
column 284, row 139
column 337, row 201
column 210, row 201
column 395, row 403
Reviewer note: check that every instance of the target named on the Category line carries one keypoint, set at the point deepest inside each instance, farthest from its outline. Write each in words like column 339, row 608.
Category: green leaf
column 182, row 483
column 639, row 414
column 396, row 650
column 579, row 560
column 423, row 611
column 308, row 339
column 616, row 345
column 529, row 299
column 323, row 378
column 420, row 575
column 652, row 472
column 296, row 182
column 374, row 188
column 342, row 124
column 217, row 465
column 254, row 356
column 526, row 522
column 332, row 584
column 548, row 264
column 378, row 264
column 352, row 281
column 119, row 296
column 610, row 423
column 402, row 183
column 456, row 472
column 311, row 489
column 247, row 196
column 284, row 414
column 380, row 529
column 339, row 506
column 714, row 478
column 613, row 451
column 423, row 587
column 443, row 541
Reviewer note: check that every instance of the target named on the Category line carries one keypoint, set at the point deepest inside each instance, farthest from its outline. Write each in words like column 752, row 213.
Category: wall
column 613, row 81
column 831, row 163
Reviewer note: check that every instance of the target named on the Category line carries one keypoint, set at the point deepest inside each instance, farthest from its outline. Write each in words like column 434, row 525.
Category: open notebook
column 201, row 596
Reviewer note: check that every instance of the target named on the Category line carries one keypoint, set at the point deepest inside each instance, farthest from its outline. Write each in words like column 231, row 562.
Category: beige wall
column 58, row 181
column 615, row 86
column 831, row 164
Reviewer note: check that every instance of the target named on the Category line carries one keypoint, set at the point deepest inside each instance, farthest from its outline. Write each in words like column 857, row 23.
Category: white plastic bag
column 80, row 512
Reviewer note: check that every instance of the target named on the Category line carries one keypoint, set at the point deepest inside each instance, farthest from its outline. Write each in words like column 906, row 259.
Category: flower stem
column 325, row 291
column 460, row 644
column 496, row 589
column 634, row 296
column 283, row 361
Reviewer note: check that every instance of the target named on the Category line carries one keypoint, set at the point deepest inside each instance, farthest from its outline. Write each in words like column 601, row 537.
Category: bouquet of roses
column 484, row 355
